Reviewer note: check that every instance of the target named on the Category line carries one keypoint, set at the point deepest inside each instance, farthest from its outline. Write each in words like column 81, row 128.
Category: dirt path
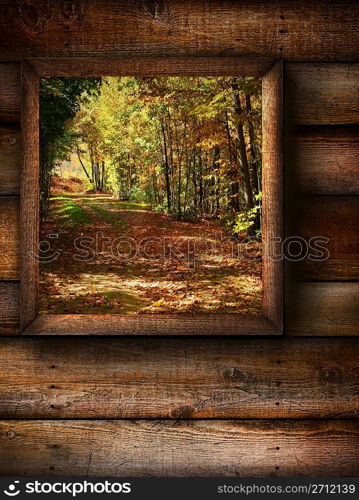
column 118, row 257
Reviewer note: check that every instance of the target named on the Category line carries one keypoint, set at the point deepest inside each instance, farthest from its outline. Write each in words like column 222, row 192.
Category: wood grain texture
column 337, row 220
column 272, row 187
column 152, row 66
column 182, row 448
column 323, row 94
column 9, row 92
column 323, row 309
column 100, row 28
column 324, row 160
column 9, row 308
column 150, row 324
column 179, row 378
column 9, row 239
column 29, row 194
column 10, row 161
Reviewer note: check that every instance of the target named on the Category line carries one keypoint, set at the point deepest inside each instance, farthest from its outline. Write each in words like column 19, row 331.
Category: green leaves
column 59, row 102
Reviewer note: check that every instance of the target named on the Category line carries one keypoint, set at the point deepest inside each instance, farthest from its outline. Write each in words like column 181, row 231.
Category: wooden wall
column 322, row 173
column 192, row 406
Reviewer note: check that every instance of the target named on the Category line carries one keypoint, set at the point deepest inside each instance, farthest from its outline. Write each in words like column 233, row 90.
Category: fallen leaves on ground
column 187, row 267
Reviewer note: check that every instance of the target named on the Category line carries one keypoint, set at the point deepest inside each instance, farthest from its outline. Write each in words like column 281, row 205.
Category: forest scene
column 150, row 195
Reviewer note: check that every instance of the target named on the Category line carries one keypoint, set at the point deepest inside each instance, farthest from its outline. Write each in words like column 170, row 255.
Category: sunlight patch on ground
column 134, row 294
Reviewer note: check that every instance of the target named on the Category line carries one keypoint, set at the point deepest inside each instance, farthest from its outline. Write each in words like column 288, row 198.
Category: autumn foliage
column 174, row 162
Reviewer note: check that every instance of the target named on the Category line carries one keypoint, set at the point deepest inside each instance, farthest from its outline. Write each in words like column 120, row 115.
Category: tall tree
column 241, row 145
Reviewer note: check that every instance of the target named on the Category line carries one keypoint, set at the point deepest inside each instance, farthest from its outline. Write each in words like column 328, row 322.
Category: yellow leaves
column 158, row 303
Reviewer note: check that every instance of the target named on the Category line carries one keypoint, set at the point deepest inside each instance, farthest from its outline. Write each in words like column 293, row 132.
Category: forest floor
column 106, row 256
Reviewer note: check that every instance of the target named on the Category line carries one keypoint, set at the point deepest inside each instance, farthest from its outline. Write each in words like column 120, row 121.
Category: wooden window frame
column 270, row 322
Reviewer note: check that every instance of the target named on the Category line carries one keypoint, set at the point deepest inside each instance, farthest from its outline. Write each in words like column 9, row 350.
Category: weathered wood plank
column 323, row 309
column 182, row 448
column 272, row 185
column 335, row 219
column 9, row 308
column 9, row 92
column 171, row 27
column 179, row 378
column 323, row 94
column 325, row 160
column 150, row 324
column 10, row 161
column 9, row 239
column 151, row 66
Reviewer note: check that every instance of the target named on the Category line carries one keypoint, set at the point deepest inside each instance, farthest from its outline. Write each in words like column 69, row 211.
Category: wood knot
column 182, row 412
column 12, row 140
column 29, row 15
column 330, row 374
column 11, row 434
column 34, row 14
column 54, row 446
column 72, row 10
column 154, row 7
column 236, row 375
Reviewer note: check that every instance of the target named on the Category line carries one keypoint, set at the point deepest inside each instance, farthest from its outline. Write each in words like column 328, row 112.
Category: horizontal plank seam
column 293, row 283
column 259, row 337
column 167, row 419
column 327, row 196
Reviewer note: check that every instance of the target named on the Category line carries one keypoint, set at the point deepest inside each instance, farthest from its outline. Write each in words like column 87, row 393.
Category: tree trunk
column 252, row 146
column 200, row 178
column 103, row 171
column 233, row 170
column 82, row 164
column 179, row 189
column 215, row 176
column 255, row 160
column 194, row 180
column 241, row 146
column 166, row 165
